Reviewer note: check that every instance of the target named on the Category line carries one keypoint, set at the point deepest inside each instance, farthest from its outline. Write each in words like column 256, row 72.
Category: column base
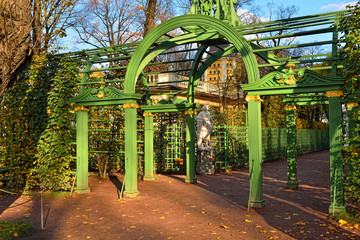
column 292, row 185
column 191, row 180
column 336, row 209
column 149, row 178
column 257, row 203
column 82, row 190
column 131, row 194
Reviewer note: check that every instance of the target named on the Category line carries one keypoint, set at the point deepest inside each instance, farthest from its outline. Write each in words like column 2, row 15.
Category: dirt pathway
column 214, row 208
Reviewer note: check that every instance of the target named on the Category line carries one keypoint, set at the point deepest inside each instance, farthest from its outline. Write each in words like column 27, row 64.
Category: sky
column 309, row 7
column 306, row 7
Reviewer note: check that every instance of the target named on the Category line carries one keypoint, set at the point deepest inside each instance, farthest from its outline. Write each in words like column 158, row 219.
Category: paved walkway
column 214, row 208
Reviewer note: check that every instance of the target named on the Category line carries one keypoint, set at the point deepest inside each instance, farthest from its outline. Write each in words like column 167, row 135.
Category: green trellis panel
column 169, row 148
column 230, row 145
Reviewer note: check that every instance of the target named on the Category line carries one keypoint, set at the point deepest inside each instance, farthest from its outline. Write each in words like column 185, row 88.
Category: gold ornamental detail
column 351, row 105
column 290, row 108
column 82, row 108
column 190, row 112
column 148, row 114
column 130, row 105
column 334, row 93
column 253, row 98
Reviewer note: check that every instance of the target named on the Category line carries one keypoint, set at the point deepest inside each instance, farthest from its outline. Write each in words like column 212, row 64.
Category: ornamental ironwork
column 288, row 75
column 220, row 9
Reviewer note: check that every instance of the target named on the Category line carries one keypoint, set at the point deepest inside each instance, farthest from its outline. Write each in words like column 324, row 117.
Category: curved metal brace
column 193, row 74
column 184, row 39
column 200, row 71
column 229, row 33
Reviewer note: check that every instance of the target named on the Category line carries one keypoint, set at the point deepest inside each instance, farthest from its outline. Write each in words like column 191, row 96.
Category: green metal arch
column 229, row 33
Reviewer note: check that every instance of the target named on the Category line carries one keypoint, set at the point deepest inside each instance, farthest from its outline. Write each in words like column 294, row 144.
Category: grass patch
column 9, row 230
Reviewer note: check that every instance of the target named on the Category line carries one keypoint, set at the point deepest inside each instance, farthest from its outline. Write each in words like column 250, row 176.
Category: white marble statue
column 204, row 129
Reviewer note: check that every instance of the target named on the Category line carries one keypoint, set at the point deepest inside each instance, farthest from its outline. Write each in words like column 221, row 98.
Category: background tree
column 103, row 23
column 27, row 29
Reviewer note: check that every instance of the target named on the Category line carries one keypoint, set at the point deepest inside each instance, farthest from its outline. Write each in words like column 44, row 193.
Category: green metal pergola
column 181, row 45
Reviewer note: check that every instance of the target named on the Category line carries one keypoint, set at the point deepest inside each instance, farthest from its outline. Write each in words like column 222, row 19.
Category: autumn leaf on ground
column 301, row 223
column 223, row 226
column 162, row 218
column 248, row 221
column 342, row 222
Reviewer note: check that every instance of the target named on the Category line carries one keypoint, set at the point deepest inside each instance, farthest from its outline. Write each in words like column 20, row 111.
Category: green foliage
column 350, row 25
column 10, row 230
column 23, row 118
column 54, row 149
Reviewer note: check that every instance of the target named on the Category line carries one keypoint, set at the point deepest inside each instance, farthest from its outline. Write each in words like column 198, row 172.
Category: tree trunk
column 15, row 37
column 150, row 16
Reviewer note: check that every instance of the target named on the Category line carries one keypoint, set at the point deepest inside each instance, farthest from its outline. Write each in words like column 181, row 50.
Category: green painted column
column 190, row 147
column 131, row 158
column 291, row 147
column 82, row 149
column 149, row 147
column 336, row 166
column 255, row 152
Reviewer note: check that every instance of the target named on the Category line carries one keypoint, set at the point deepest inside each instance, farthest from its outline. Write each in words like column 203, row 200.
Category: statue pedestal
column 205, row 164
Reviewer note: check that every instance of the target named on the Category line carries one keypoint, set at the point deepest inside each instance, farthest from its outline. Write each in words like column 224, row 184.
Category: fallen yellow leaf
column 342, row 222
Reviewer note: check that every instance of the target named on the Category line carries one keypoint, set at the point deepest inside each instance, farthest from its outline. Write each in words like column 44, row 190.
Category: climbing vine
column 23, row 118
column 52, row 169
column 350, row 25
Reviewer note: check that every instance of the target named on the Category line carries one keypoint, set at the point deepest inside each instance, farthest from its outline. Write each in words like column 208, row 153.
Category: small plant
column 102, row 164
column 9, row 230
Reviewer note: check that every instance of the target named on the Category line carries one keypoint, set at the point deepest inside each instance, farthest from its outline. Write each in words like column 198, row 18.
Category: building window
column 214, row 78
column 219, row 72
column 218, row 64
column 210, row 72
column 210, row 79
